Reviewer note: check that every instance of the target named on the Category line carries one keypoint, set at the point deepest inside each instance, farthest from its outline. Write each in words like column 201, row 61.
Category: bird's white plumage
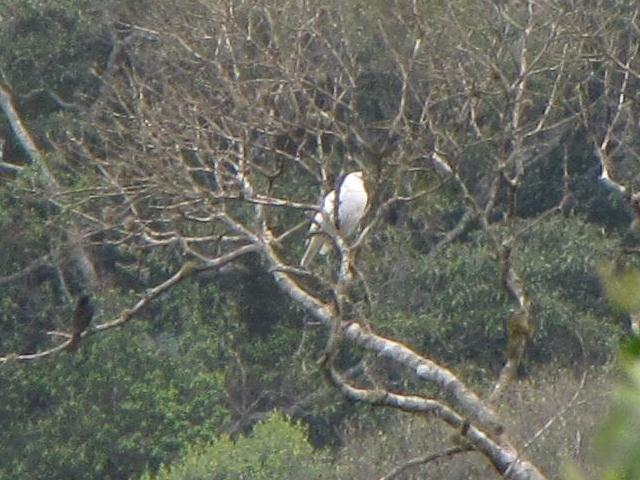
column 351, row 208
column 440, row 164
column 635, row 323
column 606, row 179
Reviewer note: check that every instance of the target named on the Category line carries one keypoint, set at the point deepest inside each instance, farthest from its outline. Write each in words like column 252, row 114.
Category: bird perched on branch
column 81, row 320
column 351, row 206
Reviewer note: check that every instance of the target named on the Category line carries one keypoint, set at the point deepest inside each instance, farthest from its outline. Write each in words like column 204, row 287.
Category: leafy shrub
column 277, row 448
column 453, row 307
column 120, row 405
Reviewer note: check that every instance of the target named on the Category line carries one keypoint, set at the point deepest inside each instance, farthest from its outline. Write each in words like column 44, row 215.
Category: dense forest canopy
column 164, row 162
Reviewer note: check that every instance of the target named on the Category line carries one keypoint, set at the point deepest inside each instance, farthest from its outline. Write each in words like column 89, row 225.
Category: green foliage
column 22, row 216
column 453, row 305
column 129, row 401
column 619, row 441
column 617, row 445
column 53, row 42
column 276, row 448
column 120, row 405
column 622, row 287
column 25, row 238
column 558, row 262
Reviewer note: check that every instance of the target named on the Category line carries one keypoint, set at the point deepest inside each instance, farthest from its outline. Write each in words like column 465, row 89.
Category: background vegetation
column 187, row 390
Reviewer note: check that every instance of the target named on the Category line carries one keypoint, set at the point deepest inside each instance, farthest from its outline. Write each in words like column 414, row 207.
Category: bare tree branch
column 423, row 459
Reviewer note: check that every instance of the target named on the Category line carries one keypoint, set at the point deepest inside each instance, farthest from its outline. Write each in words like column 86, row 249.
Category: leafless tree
column 216, row 120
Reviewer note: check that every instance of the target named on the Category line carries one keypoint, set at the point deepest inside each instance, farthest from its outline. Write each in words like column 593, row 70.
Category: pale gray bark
column 78, row 252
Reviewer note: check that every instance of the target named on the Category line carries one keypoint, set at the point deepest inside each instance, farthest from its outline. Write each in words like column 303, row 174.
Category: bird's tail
column 316, row 242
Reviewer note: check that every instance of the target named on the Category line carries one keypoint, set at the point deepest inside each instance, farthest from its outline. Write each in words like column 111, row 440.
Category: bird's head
column 354, row 177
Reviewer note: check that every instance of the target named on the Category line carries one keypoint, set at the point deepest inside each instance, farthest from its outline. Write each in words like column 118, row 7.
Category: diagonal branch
column 188, row 270
column 501, row 455
column 429, row 371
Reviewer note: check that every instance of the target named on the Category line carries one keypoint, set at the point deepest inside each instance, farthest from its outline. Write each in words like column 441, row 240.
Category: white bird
column 441, row 165
column 352, row 204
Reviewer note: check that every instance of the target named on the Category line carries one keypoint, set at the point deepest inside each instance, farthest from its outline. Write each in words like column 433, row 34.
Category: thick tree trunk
column 485, row 430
